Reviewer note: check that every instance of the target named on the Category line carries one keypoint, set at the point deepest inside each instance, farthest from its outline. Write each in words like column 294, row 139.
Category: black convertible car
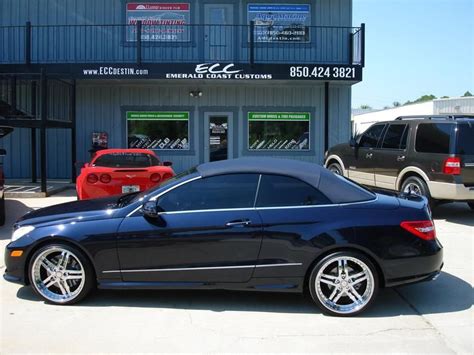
column 246, row 224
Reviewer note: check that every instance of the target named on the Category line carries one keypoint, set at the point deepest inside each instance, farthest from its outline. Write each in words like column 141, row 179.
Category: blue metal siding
column 85, row 43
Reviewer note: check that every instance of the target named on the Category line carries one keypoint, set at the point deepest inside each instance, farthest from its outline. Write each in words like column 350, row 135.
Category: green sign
column 155, row 115
column 279, row 116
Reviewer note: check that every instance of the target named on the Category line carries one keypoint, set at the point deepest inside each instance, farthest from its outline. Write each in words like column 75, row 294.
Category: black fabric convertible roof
column 336, row 188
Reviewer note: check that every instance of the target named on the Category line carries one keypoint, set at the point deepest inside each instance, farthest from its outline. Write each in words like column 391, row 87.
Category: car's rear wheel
column 60, row 274
column 335, row 168
column 343, row 283
column 2, row 211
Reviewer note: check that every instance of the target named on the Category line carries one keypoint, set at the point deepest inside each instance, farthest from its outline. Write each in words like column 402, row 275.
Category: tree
column 444, row 97
column 466, row 94
column 423, row 98
column 396, row 104
column 365, row 107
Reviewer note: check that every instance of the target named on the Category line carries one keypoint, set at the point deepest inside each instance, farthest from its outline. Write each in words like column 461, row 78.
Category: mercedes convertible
column 256, row 224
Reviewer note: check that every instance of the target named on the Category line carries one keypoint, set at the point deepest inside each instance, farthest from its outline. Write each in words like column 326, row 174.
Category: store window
column 158, row 130
column 161, row 22
column 279, row 131
column 280, row 22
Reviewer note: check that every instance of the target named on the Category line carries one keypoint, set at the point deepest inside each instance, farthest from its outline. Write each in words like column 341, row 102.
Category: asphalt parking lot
column 432, row 317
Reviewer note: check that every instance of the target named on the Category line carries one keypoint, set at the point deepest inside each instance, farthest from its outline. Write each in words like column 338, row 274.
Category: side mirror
column 3, row 152
column 353, row 142
column 150, row 209
column 167, row 163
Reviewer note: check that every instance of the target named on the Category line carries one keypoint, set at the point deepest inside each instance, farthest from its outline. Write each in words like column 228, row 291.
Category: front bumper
column 15, row 266
column 450, row 191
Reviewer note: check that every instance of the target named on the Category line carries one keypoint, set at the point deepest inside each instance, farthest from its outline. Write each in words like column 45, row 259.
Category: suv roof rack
column 450, row 117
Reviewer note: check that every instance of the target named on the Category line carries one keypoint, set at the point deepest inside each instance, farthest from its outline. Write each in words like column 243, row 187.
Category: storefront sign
column 280, row 22
column 279, row 116
column 161, row 22
column 158, row 130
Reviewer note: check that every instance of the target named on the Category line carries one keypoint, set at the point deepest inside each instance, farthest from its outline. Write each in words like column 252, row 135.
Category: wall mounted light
column 195, row 93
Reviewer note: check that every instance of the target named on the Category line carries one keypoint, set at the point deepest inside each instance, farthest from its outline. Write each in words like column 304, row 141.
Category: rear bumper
column 448, row 191
column 416, row 269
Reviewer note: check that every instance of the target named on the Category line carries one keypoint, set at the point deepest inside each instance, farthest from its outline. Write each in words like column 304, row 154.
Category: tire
column 417, row 186
column 335, row 168
column 48, row 271
column 2, row 211
column 471, row 204
column 334, row 290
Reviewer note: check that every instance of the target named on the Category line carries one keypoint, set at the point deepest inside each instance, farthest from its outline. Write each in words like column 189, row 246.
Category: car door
column 362, row 168
column 208, row 231
column 293, row 214
column 391, row 155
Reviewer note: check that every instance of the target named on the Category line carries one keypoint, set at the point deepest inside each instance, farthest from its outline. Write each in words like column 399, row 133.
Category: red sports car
column 118, row 171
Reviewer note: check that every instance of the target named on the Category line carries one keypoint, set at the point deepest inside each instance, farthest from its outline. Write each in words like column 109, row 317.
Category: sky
column 413, row 48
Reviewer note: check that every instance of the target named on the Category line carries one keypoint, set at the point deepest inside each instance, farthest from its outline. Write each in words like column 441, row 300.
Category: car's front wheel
column 343, row 283
column 60, row 274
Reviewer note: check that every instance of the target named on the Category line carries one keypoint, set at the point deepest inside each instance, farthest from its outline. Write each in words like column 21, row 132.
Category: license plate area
column 130, row 188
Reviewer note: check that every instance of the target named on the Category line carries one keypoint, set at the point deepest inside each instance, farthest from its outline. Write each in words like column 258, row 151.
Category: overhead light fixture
column 195, row 93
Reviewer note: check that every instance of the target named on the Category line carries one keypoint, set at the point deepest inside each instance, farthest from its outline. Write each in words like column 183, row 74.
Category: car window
column 215, row 192
column 371, row 137
column 393, row 136
column 465, row 141
column 403, row 144
column 277, row 190
column 433, row 138
column 126, row 160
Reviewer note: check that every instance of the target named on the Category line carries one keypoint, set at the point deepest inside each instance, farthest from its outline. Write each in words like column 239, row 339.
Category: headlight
column 20, row 232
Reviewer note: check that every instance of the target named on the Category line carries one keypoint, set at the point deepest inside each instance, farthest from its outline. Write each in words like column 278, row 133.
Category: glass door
column 218, row 138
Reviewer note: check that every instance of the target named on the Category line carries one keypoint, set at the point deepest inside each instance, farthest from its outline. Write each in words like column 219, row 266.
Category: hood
column 76, row 210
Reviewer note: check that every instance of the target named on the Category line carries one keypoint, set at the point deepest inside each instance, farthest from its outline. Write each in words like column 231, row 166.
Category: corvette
column 256, row 224
column 117, row 171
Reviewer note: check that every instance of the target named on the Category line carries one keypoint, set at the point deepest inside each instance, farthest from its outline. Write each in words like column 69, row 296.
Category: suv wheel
column 344, row 283
column 417, row 186
column 335, row 168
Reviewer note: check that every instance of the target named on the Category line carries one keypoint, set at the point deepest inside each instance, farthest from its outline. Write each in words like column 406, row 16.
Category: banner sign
column 161, row 22
column 152, row 115
column 279, row 116
column 280, row 22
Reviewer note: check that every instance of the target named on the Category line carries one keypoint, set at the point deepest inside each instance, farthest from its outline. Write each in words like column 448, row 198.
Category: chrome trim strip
column 210, row 210
column 204, row 268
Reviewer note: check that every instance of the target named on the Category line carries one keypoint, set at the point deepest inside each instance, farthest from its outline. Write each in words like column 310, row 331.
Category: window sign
column 161, row 22
column 280, row 22
column 278, row 130
column 158, row 130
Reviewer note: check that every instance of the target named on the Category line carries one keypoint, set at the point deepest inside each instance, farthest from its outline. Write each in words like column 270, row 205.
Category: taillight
column 105, row 178
column 422, row 229
column 167, row 176
column 155, row 177
column 452, row 166
column 92, row 178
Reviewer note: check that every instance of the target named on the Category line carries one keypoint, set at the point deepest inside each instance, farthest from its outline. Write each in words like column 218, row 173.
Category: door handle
column 401, row 158
column 369, row 155
column 239, row 223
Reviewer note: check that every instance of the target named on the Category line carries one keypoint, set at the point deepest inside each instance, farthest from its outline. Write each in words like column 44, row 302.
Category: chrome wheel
column 344, row 284
column 58, row 275
column 412, row 188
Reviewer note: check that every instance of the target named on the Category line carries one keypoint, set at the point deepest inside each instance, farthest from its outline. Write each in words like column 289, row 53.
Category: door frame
column 230, row 133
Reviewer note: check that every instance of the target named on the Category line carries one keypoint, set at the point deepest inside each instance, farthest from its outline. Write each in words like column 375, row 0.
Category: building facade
column 195, row 80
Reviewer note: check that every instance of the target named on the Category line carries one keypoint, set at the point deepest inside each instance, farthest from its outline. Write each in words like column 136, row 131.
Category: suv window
column 433, row 138
column 393, row 136
column 371, row 137
column 465, row 141
column 216, row 192
column 278, row 190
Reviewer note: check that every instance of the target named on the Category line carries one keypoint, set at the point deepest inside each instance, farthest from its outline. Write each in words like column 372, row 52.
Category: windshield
column 126, row 160
column 137, row 196
column 465, row 141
